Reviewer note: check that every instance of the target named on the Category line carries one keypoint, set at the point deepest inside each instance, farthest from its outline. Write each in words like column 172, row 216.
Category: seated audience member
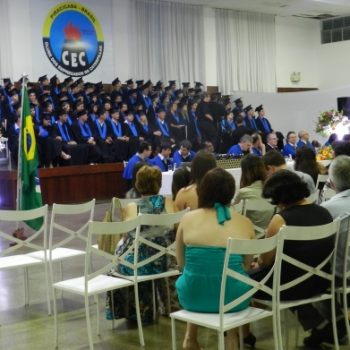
column 187, row 197
column 304, row 140
column 262, row 122
column 332, row 138
column 198, row 291
column 338, row 205
column 184, row 154
column 258, row 147
column 120, row 140
column 143, row 154
column 103, row 136
column 271, row 142
column 83, row 135
column 290, row 147
column 162, row 160
column 181, row 179
column 133, row 192
column 287, row 190
column 275, row 162
column 249, row 119
column 241, row 130
column 305, row 161
column 148, row 184
column 243, row 147
column 252, row 182
column 61, row 132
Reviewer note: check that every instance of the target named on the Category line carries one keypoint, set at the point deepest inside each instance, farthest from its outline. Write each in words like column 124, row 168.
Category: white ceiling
column 280, row 7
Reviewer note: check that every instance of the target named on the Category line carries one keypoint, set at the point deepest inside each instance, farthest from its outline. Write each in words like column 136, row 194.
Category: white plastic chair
column 344, row 290
column 224, row 320
column 258, row 205
column 37, row 241
column 97, row 282
column 59, row 250
column 305, row 233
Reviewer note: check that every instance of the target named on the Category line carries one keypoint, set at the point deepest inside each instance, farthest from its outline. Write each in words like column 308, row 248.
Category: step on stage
column 70, row 184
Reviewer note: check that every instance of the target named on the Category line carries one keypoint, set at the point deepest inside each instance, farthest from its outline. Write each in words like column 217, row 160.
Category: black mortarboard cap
column 139, row 83
column 68, row 80
column 13, row 92
column 74, row 85
column 248, row 108
column 259, row 108
column 62, row 85
column 129, row 81
column 31, row 91
column 115, row 81
column 80, row 113
column 132, row 91
column 172, row 82
column 167, row 88
column 161, row 109
column 190, row 90
column 42, row 78
column 53, row 79
column 186, row 85
column 146, row 85
column 63, row 96
column 7, row 80
column 89, row 85
column 238, row 100
column 159, row 83
column 197, row 84
column 80, row 81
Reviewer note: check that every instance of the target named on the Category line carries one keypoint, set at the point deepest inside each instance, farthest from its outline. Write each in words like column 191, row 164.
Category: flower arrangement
column 327, row 122
column 325, row 153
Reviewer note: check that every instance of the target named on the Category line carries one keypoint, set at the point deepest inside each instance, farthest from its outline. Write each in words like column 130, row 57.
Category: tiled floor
column 31, row 328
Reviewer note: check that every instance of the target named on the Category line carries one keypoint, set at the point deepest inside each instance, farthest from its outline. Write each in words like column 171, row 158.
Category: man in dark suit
column 240, row 130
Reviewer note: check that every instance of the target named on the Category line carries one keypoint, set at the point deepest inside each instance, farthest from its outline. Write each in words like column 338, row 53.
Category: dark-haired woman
column 252, row 182
column 200, row 246
column 187, row 197
column 286, row 190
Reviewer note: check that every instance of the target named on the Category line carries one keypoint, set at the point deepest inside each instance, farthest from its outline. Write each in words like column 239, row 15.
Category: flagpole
column 20, row 142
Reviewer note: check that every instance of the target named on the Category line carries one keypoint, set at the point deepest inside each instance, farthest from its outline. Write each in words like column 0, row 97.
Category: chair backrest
column 321, row 180
column 262, row 206
column 36, row 241
column 60, row 211
column 245, row 247
column 344, row 243
column 306, row 233
column 111, row 260
column 119, row 205
column 167, row 220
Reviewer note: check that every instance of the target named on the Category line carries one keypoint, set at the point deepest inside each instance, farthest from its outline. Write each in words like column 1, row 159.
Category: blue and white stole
column 85, row 130
column 102, row 129
column 164, row 128
column 117, row 128
column 63, row 131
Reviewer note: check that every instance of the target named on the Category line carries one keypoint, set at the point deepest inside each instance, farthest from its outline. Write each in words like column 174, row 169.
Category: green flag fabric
column 30, row 198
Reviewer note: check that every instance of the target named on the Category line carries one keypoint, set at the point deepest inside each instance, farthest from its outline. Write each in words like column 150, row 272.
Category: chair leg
column 296, row 328
column 241, row 338
column 26, row 288
column 55, row 317
column 334, row 323
column 138, row 315
column 154, row 301
column 173, row 334
column 277, row 331
column 346, row 316
column 286, row 326
column 168, row 295
column 221, row 341
column 97, row 314
column 61, row 276
column 112, row 303
column 88, row 323
column 48, row 287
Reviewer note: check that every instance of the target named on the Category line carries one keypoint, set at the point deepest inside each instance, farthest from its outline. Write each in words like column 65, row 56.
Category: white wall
column 297, row 42
column 334, row 61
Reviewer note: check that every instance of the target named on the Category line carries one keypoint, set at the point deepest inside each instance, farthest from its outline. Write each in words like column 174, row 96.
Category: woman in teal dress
column 200, row 248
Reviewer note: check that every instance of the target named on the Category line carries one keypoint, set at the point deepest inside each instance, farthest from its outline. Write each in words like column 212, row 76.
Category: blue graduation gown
column 127, row 174
column 235, row 150
column 289, row 150
column 178, row 159
column 302, row 144
column 156, row 161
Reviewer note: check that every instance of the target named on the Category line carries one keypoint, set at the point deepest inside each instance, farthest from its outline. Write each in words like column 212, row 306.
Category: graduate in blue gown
column 184, row 154
column 143, row 153
column 290, row 147
column 243, row 147
column 162, row 160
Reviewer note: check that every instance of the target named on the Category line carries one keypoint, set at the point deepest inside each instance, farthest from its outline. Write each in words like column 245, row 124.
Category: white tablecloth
column 167, row 178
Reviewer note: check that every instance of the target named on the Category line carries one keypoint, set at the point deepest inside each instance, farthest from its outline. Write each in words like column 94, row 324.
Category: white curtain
column 245, row 51
column 167, row 41
column 6, row 69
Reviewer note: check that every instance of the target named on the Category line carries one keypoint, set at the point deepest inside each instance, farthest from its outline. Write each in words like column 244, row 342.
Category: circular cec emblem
column 73, row 39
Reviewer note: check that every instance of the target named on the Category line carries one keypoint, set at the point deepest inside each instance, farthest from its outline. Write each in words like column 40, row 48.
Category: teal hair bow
column 222, row 213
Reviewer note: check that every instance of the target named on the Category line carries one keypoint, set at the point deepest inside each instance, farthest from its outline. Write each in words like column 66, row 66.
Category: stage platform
column 71, row 184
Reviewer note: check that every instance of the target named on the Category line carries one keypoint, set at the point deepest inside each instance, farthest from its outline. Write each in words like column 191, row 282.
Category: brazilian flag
column 30, row 198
